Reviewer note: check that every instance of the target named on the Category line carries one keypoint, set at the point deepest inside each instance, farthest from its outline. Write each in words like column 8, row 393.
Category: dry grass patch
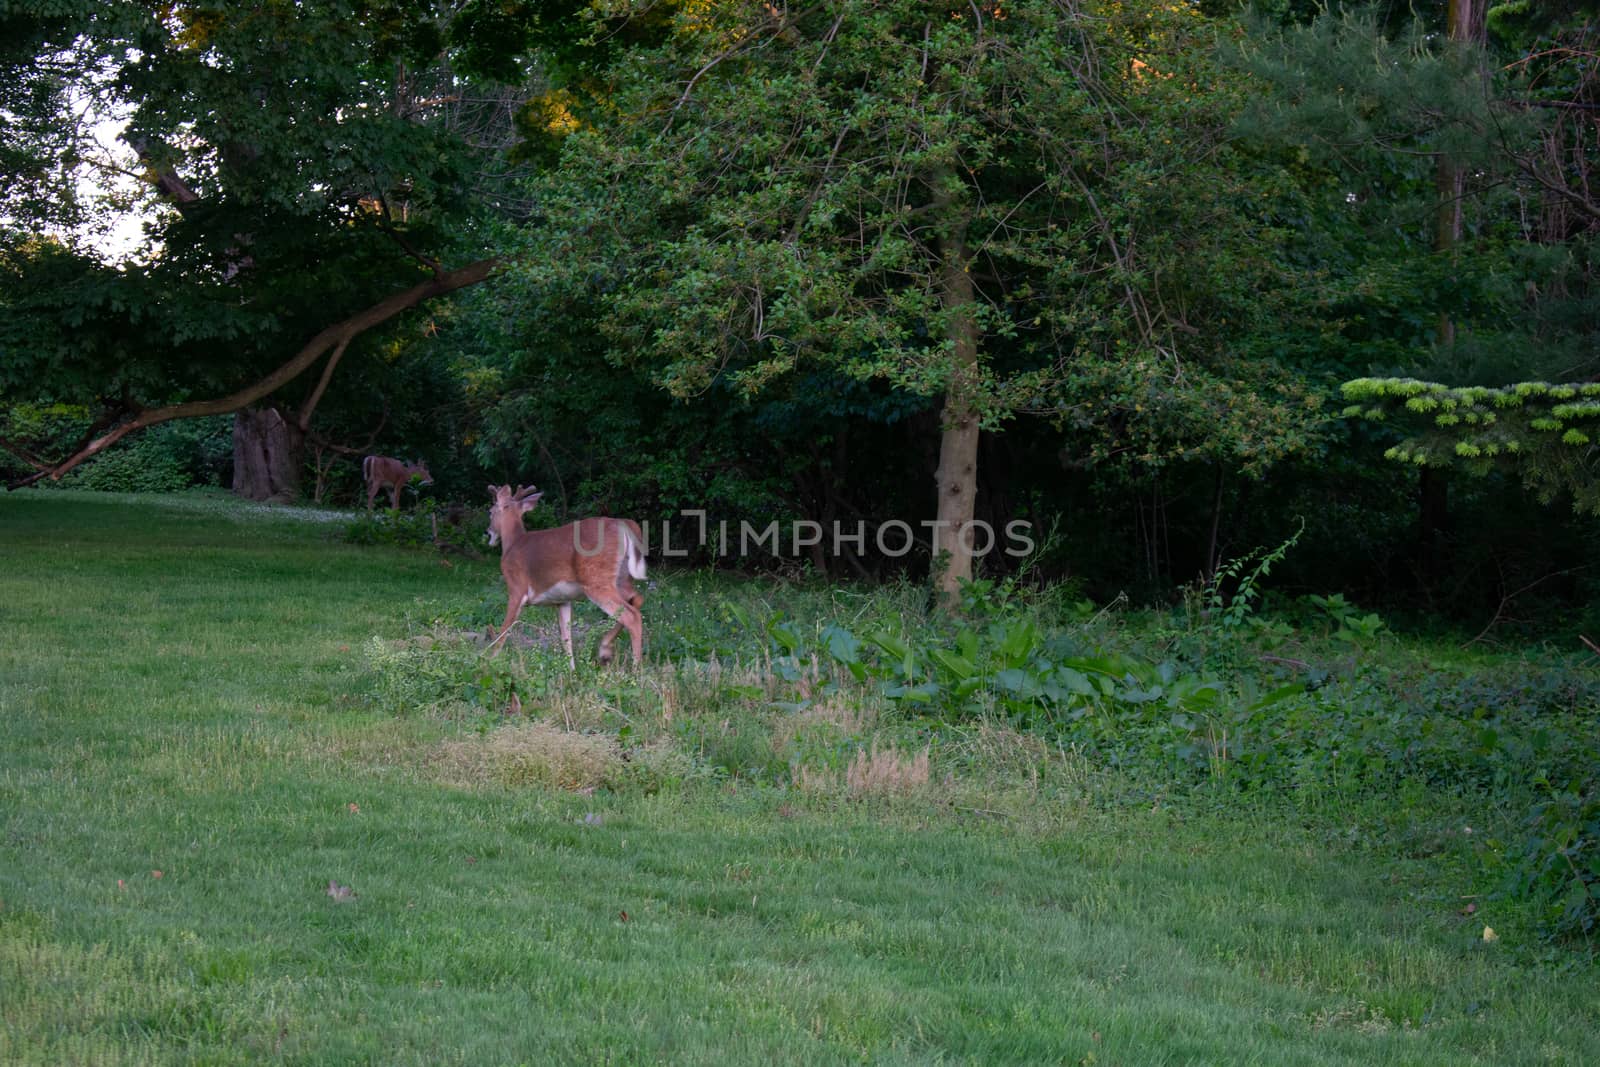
column 850, row 718
column 876, row 771
column 576, row 706
column 832, row 717
column 887, row 771
column 1004, row 757
column 533, row 753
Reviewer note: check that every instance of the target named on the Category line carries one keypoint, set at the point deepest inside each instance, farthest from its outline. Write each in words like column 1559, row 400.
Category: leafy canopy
column 298, row 162
column 778, row 188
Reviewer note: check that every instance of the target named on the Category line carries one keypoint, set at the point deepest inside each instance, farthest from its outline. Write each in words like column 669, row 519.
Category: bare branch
column 321, row 387
column 351, row 450
column 1506, row 600
column 1561, row 189
column 399, row 238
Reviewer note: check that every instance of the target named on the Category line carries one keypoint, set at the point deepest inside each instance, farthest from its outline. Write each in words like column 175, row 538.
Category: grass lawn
column 189, row 755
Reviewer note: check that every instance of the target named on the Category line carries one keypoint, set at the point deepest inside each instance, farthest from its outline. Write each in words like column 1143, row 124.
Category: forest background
column 1102, row 267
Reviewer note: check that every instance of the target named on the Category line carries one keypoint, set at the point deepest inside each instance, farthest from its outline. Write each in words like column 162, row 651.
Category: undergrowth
column 842, row 692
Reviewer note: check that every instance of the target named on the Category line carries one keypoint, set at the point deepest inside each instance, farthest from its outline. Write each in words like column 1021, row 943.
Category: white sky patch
column 101, row 174
column 112, row 180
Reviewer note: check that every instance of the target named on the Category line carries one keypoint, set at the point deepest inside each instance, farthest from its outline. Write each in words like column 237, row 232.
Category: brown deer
column 594, row 558
column 380, row 471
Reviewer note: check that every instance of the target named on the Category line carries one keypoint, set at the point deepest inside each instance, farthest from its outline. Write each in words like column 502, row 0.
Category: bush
column 131, row 470
column 463, row 533
column 1559, row 865
column 173, row 456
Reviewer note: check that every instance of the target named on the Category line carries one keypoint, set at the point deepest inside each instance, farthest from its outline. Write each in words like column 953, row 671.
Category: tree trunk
column 1213, row 544
column 957, row 477
column 1433, row 511
column 268, row 455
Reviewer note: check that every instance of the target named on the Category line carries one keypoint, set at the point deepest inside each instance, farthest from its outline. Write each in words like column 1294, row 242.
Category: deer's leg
column 564, row 617
column 513, row 609
column 372, row 494
column 624, row 609
column 636, row 629
column 634, row 621
column 612, row 605
column 394, row 497
column 605, row 653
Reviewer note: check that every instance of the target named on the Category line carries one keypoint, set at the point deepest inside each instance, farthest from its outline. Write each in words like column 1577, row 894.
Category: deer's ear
column 529, row 502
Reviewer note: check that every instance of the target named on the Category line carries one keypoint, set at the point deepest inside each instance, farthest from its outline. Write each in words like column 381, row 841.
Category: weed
column 1231, row 611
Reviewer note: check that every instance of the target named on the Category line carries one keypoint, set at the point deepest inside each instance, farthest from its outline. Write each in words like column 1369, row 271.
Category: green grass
column 183, row 689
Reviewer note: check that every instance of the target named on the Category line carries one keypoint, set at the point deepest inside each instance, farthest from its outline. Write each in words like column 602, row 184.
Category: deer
column 380, row 471
column 597, row 558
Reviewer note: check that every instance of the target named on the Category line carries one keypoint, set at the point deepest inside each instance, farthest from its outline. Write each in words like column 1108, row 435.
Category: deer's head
column 507, row 501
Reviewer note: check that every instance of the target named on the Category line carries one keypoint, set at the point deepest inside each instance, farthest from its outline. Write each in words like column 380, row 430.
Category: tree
column 305, row 186
column 1018, row 208
column 1544, row 431
column 1504, row 104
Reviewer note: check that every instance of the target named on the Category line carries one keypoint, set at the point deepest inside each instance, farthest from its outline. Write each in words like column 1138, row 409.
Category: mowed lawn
column 188, row 757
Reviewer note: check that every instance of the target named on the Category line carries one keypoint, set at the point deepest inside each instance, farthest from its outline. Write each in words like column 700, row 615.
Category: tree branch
column 400, row 239
column 21, row 453
column 116, row 412
column 351, row 450
column 321, row 387
column 1505, row 602
column 334, row 337
column 171, row 186
column 1561, row 189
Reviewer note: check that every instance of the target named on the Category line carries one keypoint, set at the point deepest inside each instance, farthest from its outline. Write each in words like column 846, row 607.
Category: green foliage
column 429, row 674
column 170, row 457
column 1347, row 621
column 783, row 242
column 1559, row 861
column 174, row 456
column 1536, row 428
column 1231, row 611
column 427, row 524
column 319, row 186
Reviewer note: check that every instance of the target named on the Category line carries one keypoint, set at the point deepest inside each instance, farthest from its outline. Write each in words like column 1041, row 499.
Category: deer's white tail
column 635, row 553
column 366, row 469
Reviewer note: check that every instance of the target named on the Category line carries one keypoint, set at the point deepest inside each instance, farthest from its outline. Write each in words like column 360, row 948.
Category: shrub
column 430, row 524
column 183, row 454
column 1559, row 865
column 427, row 674
column 661, row 767
column 131, row 470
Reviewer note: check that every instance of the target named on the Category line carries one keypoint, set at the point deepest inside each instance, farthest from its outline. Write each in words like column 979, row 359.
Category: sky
column 125, row 237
